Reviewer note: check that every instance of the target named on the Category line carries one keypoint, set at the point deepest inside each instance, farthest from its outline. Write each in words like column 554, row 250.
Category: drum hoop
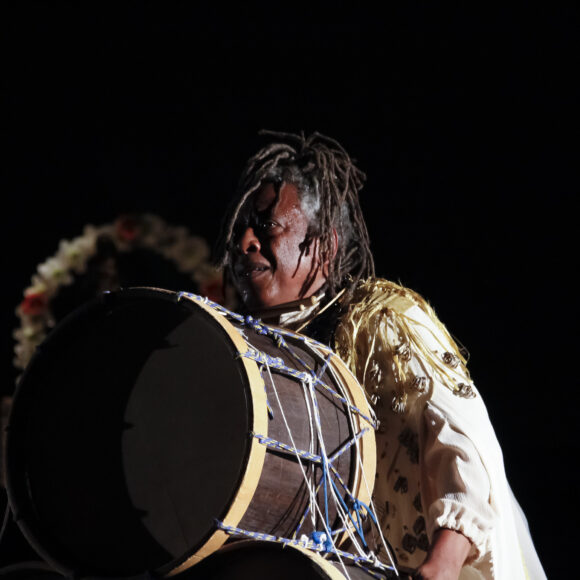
column 256, row 454
column 362, row 487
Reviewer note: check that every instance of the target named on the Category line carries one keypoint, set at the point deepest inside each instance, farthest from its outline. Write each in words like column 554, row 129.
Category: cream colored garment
column 439, row 462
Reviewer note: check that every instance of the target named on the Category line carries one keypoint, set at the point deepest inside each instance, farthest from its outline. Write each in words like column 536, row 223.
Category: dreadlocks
column 328, row 184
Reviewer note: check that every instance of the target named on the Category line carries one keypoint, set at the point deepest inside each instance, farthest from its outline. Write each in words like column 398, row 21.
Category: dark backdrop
column 461, row 119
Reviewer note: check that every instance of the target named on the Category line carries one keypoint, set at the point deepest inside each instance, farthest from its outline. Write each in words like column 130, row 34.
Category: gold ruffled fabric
column 376, row 333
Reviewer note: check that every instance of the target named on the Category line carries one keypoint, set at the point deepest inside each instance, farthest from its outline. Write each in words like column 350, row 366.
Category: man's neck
column 289, row 313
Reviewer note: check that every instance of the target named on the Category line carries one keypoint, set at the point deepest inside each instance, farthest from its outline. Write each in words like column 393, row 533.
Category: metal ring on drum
column 151, row 426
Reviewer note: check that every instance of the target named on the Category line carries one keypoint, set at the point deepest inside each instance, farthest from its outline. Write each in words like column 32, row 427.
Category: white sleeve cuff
column 455, row 515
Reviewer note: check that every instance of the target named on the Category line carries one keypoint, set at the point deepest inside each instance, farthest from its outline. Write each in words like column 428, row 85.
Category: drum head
column 129, row 435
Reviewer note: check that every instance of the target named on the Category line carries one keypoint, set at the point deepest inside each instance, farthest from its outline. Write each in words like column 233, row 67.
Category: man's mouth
column 253, row 270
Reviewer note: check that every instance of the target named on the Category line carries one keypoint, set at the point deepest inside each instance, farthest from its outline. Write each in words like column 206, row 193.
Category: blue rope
column 324, row 367
column 357, row 505
column 241, row 320
column 335, row 473
column 278, row 364
column 347, row 445
column 279, row 446
column 324, row 481
column 356, row 527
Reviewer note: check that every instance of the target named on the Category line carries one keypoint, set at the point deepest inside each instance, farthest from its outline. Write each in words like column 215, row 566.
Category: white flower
column 55, row 272
column 172, row 236
column 153, row 229
column 24, row 351
column 75, row 253
column 89, row 231
column 105, row 230
column 30, row 331
column 39, row 286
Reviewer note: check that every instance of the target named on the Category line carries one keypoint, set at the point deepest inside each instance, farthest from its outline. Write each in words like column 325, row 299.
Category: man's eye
column 267, row 225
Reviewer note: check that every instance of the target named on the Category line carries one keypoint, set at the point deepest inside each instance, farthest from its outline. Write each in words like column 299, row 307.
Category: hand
column 445, row 558
column 430, row 571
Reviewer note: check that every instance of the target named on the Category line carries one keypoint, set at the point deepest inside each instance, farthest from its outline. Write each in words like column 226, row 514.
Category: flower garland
column 190, row 254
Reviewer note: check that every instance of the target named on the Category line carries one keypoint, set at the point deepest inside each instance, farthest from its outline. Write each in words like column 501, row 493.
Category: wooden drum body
column 150, row 426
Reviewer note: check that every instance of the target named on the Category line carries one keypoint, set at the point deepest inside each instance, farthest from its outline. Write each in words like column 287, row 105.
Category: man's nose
column 249, row 242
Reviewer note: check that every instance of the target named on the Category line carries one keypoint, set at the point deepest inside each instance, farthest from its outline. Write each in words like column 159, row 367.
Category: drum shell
column 281, row 498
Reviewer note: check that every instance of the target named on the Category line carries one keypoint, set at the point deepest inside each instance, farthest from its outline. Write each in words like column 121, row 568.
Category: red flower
column 34, row 304
column 128, row 228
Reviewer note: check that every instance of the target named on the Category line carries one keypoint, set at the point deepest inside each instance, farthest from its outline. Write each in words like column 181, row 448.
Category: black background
column 461, row 118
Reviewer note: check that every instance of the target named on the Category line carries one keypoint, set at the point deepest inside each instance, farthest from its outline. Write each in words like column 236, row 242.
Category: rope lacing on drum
column 316, row 545
column 278, row 364
column 350, row 510
column 276, row 334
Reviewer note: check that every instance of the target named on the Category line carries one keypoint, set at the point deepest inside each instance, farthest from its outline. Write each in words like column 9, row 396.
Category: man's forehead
column 269, row 198
column 265, row 198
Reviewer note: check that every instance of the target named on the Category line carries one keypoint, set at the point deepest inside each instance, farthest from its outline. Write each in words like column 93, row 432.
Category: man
column 296, row 248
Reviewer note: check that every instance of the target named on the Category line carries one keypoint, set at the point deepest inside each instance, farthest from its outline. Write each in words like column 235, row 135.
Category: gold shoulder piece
column 379, row 335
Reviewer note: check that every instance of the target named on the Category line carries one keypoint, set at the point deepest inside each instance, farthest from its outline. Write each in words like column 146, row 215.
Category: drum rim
column 255, row 452
column 363, row 484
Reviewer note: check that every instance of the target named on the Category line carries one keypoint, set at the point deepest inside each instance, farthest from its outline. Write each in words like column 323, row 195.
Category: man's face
column 272, row 260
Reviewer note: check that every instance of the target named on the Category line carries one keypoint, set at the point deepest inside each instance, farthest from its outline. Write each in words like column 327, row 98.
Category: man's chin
column 263, row 302
column 264, row 308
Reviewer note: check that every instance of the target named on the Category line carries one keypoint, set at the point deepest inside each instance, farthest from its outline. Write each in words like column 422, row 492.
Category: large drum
column 152, row 426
